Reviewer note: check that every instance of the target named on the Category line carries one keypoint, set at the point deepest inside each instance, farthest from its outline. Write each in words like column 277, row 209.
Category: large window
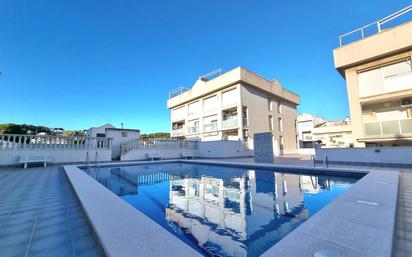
column 230, row 97
column 194, row 108
column 386, row 79
column 270, row 122
column 210, row 123
column 179, row 113
column 280, row 122
column 210, row 103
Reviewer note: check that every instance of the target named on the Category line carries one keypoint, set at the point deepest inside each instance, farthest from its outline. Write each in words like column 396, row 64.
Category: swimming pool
column 219, row 210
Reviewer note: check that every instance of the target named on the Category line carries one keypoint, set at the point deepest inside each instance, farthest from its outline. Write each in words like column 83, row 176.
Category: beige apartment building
column 334, row 134
column 233, row 106
column 378, row 74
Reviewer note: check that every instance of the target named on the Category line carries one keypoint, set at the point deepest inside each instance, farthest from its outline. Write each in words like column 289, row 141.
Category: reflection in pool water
column 222, row 211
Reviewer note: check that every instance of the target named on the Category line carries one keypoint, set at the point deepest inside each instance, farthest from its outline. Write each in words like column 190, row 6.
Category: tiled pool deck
column 40, row 215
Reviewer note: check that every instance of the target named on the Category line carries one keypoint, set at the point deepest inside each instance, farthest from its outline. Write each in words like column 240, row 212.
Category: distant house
column 334, row 134
column 305, row 125
column 119, row 136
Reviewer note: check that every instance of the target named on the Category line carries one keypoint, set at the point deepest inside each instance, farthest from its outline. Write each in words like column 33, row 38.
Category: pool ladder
column 96, row 161
column 325, row 161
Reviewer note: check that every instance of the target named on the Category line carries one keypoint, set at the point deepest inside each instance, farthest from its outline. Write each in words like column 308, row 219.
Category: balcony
column 178, row 132
column 194, row 129
column 210, row 127
column 307, row 138
column 388, row 128
column 230, row 123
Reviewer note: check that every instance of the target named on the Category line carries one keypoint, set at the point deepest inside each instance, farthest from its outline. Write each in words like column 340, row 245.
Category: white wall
column 118, row 139
column 208, row 149
column 92, row 132
column 223, row 149
column 141, row 154
column 389, row 155
column 11, row 156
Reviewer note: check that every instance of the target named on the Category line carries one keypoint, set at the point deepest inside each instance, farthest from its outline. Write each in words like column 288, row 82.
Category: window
column 281, row 143
column 270, row 105
column 124, row 133
column 270, row 122
column 210, row 123
column 389, row 78
column 279, row 107
column 194, row 108
column 179, row 113
column 193, row 126
column 280, row 121
column 100, row 135
column 244, row 116
column 230, row 97
column 210, row 103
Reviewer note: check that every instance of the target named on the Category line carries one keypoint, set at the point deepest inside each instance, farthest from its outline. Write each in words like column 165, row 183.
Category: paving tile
column 45, row 195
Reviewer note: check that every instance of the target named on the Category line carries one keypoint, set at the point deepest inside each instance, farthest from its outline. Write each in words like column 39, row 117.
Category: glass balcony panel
column 231, row 123
column 210, row 127
column 177, row 132
column 406, row 126
column 390, row 127
column 372, row 129
column 193, row 129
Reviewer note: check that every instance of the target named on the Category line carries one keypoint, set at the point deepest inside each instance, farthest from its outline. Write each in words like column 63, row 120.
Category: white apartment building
column 119, row 136
column 234, row 106
column 378, row 73
column 305, row 125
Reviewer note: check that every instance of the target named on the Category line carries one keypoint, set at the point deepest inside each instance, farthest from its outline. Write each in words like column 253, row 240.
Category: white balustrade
column 15, row 141
column 156, row 144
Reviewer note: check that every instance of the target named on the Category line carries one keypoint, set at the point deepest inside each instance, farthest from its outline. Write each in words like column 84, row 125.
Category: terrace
column 73, row 202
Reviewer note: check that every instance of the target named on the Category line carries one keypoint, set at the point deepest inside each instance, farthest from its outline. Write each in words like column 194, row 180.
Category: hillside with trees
column 23, row 129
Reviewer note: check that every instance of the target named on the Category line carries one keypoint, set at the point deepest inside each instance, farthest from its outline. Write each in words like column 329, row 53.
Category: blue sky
column 76, row 64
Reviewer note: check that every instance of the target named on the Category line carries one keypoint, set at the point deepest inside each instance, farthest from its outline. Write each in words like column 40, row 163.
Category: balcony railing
column 210, row 127
column 151, row 144
column 193, row 130
column 377, row 25
column 178, row 132
column 307, row 137
column 388, row 128
column 231, row 123
column 14, row 141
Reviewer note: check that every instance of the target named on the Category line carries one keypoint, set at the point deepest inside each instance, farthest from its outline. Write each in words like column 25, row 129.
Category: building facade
column 378, row 74
column 305, row 125
column 119, row 136
column 334, row 134
column 234, row 106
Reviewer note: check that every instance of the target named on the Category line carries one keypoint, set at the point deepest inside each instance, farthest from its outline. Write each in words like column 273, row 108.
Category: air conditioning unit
column 406, row 102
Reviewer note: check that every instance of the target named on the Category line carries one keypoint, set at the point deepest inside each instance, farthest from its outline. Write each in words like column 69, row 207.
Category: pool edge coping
column 320, row 170
column 144, row 243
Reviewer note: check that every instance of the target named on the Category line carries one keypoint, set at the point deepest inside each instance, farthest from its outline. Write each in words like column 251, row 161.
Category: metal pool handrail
column 378, row 24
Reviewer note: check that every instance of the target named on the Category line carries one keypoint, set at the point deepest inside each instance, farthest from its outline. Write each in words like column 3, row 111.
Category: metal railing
column 213, row 73
column 388, row 127
column 377, row 24
column 16, row 141
column 156, row 144
column 177, row 91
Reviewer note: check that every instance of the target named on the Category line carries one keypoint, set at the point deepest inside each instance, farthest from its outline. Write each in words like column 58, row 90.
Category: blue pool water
column 222, row 211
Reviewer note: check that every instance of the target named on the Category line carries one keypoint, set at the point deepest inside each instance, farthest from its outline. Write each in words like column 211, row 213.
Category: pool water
column 222, row 211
